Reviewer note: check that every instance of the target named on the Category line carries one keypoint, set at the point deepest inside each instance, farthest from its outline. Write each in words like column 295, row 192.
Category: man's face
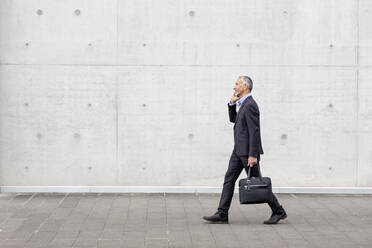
column 239, row 87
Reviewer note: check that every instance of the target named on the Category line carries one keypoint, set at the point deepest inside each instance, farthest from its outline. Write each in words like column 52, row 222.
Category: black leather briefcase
column 254, row 190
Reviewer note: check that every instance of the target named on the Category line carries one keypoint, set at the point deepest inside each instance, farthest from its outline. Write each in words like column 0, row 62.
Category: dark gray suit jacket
column 247, row 135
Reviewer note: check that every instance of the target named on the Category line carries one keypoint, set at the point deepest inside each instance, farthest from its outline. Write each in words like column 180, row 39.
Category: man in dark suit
column 246, row 152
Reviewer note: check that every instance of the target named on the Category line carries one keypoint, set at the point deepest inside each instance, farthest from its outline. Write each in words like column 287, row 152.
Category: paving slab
column 174, row 220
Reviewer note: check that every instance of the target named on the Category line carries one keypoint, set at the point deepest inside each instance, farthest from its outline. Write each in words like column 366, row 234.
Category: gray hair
column 248, row 81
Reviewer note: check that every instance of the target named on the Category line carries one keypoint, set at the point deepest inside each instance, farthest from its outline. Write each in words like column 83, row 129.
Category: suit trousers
column 236, row 165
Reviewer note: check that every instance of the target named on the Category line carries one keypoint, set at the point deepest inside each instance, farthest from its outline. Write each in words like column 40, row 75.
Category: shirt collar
column 241, row 100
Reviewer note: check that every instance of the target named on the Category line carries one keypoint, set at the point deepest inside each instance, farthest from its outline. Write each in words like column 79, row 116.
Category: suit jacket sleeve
column 232, row 112
column 252, row 117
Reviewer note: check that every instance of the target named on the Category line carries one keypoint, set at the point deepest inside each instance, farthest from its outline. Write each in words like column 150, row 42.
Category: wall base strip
column 179, row 189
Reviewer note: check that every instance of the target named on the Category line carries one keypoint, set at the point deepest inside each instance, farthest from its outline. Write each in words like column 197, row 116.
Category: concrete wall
column 134, row 92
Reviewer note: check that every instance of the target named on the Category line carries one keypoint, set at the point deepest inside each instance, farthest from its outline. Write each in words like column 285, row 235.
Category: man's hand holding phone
column 235, row 97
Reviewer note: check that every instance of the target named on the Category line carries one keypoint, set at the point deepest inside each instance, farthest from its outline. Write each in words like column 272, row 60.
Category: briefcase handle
column 259, row 172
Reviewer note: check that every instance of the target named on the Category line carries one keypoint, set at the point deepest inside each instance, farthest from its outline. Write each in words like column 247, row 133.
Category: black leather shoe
column 217, row 218
column 276, row 217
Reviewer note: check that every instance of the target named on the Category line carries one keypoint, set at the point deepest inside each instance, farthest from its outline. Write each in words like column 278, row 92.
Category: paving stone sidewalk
column 174, row 220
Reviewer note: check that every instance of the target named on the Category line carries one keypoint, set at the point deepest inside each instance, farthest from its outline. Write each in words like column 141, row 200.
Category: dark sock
column 222, row 214
column 280, row 210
